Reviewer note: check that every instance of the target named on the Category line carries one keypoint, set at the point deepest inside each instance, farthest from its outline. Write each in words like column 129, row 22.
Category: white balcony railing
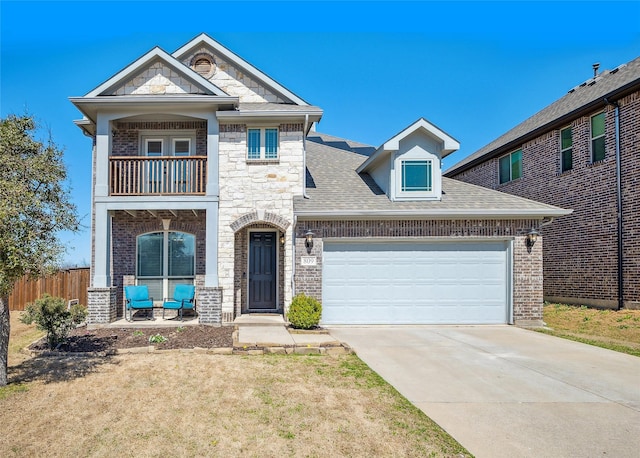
column 140, row 175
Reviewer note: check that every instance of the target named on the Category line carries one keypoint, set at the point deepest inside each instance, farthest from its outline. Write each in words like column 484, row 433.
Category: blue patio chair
column 137, row 299
column 183, row 299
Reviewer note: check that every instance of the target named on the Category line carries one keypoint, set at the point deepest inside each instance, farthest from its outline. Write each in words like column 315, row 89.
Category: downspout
column 619, row 203
column 304, row 156
column 293, row 256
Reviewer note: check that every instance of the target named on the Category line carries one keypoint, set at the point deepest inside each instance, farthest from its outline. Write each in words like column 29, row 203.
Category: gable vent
column 203, row 64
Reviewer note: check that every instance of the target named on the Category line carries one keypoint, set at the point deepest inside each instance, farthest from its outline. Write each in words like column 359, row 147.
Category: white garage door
column 415, row 283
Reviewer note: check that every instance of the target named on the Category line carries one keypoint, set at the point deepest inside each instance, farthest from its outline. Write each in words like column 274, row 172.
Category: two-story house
column 580, row 152
column 207, row 171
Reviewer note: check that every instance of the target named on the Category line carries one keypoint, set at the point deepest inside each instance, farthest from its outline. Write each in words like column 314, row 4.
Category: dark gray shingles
column 580, row 96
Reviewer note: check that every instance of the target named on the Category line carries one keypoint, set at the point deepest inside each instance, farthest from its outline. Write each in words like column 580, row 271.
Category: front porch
column 171, row 320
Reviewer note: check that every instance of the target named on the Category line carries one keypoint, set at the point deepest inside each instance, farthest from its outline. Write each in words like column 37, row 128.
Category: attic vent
column 204, row 64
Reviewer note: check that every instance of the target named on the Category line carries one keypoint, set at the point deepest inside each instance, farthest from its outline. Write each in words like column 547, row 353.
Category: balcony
column 166, row 175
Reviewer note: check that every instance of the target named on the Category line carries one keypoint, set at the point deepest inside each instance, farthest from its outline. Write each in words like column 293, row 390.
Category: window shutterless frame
column 262, row 143
column 164, row 259
column 597, row 137
column 566, row 149
column 510, row 167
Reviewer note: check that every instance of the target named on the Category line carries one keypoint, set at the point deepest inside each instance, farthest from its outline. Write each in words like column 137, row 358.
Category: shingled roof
column 581, row 100
column 336, row 190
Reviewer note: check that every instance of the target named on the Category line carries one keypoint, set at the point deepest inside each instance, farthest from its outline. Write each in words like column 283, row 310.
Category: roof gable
column 422, row 126
column 156, row 73
column 235, row 75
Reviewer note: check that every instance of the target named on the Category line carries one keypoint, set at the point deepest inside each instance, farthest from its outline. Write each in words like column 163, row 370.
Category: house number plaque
column 308, row 261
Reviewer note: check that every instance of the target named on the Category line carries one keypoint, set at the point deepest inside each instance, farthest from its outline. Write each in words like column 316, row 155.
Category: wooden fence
column 68, row 284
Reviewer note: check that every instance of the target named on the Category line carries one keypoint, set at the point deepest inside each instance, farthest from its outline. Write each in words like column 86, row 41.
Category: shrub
column 51, row 315
column 304, row 312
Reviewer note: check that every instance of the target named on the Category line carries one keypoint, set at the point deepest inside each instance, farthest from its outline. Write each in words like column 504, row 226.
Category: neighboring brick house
column 569, row 155
column 207, row 171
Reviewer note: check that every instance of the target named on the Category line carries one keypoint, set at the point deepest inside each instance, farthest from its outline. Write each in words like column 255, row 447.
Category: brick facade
column 527, row 266
column 581, row 254
column 126, row 229
column 102, row 305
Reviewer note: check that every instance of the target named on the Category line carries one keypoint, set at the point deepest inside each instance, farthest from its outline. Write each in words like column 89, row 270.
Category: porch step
column 260, row 319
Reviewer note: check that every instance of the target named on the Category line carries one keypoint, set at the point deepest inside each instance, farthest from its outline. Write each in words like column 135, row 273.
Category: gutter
column 619, row 204
column 342, row 214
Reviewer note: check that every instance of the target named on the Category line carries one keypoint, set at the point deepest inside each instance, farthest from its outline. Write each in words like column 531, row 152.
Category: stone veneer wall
column 209, row 303
column 580, row 254
column 527, row 267
column 234, row 81
column 258, row 192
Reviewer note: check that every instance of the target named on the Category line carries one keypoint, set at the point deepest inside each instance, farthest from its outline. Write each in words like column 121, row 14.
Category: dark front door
column 262, row 271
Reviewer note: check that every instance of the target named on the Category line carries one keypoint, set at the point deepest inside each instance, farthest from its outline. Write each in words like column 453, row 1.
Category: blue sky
column 475, row 69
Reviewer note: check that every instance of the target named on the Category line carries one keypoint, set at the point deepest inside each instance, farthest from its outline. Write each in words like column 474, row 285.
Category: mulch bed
column 82, row 340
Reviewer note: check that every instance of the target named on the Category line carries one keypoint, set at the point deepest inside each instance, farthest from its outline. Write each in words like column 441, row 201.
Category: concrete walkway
column 503, row 391
column 269, row 330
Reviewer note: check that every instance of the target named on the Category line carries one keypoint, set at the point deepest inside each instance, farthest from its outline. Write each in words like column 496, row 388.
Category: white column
column 102, row 249
column 211, row 264
column 102, row 156
column 213, row 130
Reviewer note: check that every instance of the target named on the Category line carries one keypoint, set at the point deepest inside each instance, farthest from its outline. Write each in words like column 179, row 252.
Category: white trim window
column 566, row 149
column 510, row 167
column 164, row 259
column 417, row 175
column 262, row 143
column 153, row 147
column 597, row 137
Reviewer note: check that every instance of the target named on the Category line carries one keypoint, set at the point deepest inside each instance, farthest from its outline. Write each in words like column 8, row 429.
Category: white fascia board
column 314, row 116
column 89, row 106
column 240, row 62
column 157, row 202
column 438, row 214
column 142, row 62
column 450, row 144
column 378, row 154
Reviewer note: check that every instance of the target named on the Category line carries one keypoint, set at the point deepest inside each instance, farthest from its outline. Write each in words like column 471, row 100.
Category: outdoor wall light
column 282, row 239
column 532, row 237
column 308, row 239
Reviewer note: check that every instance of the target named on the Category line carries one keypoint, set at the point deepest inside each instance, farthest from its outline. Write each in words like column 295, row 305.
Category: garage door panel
column 426, row 283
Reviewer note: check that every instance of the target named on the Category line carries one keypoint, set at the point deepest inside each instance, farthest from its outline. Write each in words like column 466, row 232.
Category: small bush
column 157, row 338
column 304, row 312
column 51, row 315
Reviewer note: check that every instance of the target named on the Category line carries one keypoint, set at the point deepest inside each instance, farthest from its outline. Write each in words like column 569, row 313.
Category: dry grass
column 21, row 336
column 616, row 330
column 188, row 404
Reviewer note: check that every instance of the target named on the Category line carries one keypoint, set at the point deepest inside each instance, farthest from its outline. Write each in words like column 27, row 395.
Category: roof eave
column 89, row 106
column 556, row 123
column 314, row 115
column 458, row 214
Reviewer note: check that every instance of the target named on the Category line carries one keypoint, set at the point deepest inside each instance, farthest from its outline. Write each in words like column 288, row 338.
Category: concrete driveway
column 502, row 391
